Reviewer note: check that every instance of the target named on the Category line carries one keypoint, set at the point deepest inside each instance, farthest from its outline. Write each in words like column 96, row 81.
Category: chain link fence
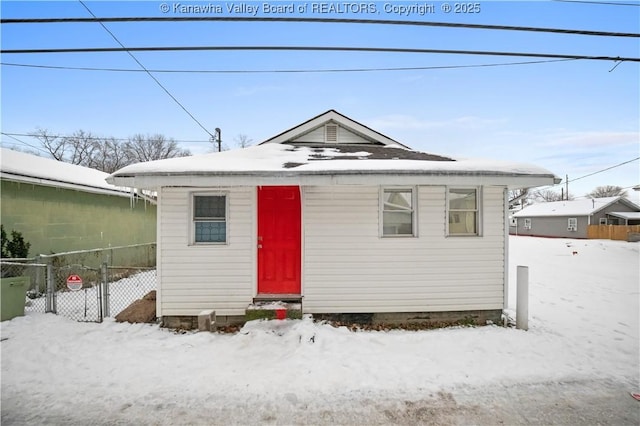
column 84, row 285
column 124, row 285
column 136, row 255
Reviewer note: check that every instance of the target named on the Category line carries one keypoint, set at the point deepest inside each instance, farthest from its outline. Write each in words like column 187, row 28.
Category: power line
column 315, row 20
column 315, row 49
column 604, row 170
column 92, row 137
column 24, row 143
column 148, row 73
column 590, row 174
column 608, row 3
column 333, row 70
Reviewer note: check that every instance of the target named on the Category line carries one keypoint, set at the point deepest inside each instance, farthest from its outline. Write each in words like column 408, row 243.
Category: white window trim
column 527, row 223
column 603, row 221
column 573, row 227
column 478, row 211
column 414, row 212
column 192, row 226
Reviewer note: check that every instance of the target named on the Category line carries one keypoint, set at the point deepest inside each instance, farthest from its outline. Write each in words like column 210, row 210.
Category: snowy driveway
column 576, row 365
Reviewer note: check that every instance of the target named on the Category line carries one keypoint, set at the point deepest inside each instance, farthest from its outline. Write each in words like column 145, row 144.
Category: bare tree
column 78, row 148
column 550, row 195
column 243, row 140
column 607, row 191
column 518, row 197
column 82, row 146
column 54, row 145
column 140, row 148
column 107, row 154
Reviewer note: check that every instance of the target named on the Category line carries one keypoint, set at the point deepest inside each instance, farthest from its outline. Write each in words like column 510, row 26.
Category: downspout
column 505, row 303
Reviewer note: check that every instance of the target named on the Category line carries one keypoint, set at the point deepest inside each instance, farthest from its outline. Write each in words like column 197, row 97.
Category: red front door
column 279, row 240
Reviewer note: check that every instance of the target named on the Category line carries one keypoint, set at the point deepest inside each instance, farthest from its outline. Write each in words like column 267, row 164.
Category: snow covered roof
column 626, row 215
column 22, row 167
column 289, row 164
column 329, row 149
column 582, row 207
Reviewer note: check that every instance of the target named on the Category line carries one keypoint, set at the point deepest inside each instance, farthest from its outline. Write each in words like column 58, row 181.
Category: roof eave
column 62, row 184
column 327, row 177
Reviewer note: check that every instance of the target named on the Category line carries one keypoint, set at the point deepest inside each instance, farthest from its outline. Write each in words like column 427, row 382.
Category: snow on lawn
column 583, row 327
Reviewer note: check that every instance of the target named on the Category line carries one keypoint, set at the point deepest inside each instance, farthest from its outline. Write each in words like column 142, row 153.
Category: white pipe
column 522, row 295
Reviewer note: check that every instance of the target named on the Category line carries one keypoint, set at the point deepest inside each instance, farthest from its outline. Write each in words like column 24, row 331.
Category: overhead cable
column 604, row 170
column 607, row 3
column 315, row 20
column 328, row 70
column 314, row 49
column 148, row 73
column 32, row 135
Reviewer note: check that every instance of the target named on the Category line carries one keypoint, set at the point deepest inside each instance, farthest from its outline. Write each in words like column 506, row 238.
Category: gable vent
column 331, row 133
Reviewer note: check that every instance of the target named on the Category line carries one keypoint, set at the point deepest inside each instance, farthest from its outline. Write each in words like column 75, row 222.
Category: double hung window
column 463, row 211
column 398, row 212
column 209, row 219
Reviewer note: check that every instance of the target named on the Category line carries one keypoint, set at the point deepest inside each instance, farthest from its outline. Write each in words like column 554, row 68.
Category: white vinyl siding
column 349, row 269
column 198, row 277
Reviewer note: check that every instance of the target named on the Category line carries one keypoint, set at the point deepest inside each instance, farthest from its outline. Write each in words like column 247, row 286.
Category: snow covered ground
column 576, row 364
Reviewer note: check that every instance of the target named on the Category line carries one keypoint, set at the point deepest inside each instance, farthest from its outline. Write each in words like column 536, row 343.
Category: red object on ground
column 281, row 314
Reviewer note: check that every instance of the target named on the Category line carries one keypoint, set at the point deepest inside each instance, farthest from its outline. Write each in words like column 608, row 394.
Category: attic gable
column 332, row 127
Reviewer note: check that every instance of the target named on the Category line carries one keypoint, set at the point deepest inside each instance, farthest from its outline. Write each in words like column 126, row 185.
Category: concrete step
column 273, row 309
column 289, row 298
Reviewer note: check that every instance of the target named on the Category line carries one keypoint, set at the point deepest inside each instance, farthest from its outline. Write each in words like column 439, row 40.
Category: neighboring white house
column 338, row 216
column 570, row 218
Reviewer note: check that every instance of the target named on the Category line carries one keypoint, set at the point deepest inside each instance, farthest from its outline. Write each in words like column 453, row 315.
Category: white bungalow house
column 337, row 216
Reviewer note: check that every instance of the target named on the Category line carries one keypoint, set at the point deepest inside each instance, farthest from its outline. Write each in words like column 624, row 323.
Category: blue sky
column 573, row 117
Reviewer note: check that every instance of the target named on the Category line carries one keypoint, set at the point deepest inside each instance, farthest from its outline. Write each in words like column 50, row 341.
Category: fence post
column 522, row 298
column 50, row 300
column 105, row 291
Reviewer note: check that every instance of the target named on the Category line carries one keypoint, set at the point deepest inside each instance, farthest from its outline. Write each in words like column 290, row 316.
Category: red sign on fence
column 74, row 282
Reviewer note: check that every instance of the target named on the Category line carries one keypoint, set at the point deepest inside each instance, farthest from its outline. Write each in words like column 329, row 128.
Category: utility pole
column 566, row 183
column 217, row 138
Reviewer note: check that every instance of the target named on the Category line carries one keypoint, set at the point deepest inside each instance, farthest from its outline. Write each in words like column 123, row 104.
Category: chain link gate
column 103, row 292
column 82, row 304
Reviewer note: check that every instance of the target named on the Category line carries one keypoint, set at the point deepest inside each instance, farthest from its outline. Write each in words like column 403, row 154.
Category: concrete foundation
column 188, row 322
column 429, row 319
column 426, row 319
